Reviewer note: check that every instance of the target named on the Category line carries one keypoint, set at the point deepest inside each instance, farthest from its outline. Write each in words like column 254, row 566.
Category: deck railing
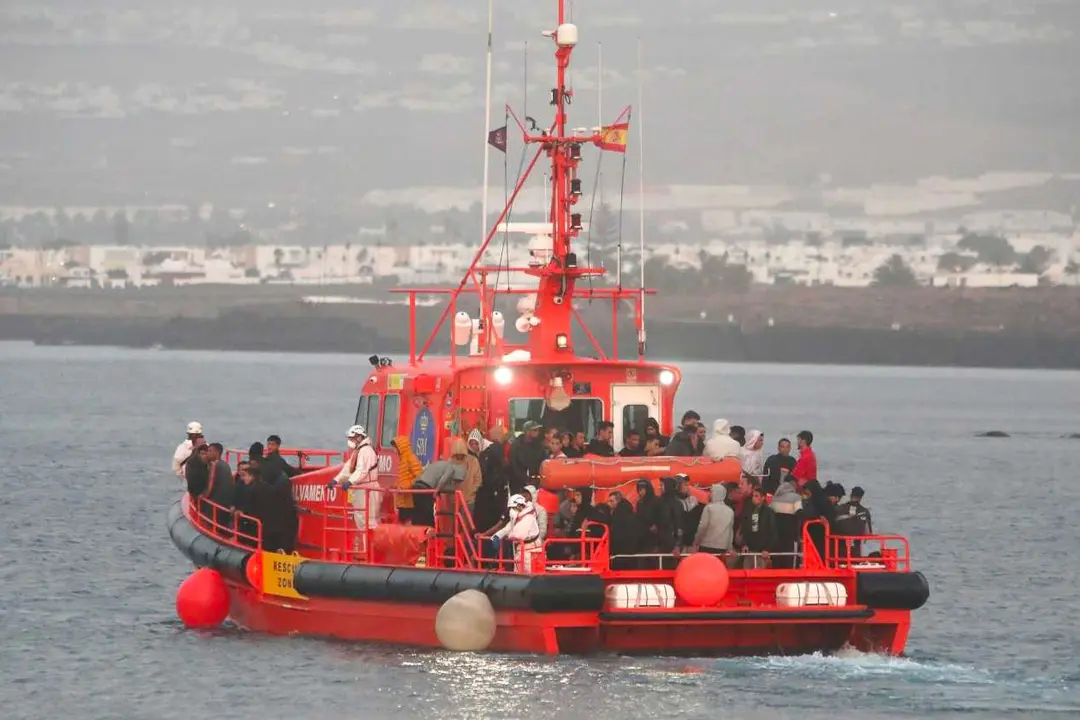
column 889, row 553
column 305, row 459
column 455, row 542
column 227, row 525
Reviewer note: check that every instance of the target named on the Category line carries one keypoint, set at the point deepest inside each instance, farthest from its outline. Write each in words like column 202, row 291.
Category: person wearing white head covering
column 477, row 442
column 541, row 513
column 721, row 444
column 752, row 455
column 185, row 449
column 523, row 530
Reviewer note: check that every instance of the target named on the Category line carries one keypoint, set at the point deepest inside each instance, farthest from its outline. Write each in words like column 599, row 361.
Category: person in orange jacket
column 409, row 468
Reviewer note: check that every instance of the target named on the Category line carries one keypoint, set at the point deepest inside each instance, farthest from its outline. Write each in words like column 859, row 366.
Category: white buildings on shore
column 824, row 251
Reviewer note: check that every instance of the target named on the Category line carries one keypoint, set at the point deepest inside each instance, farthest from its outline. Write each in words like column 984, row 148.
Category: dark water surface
column 87, row 582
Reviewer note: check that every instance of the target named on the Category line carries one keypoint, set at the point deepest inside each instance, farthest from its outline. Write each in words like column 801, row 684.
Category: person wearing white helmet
column 531, row 495
column 522, row 533
column 185, row 449
column 360, row 473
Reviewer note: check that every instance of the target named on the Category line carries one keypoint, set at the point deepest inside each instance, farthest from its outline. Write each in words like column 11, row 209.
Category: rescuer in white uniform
column 523, row 532
column 186, row 448
column 360, row 473
column 541, row 513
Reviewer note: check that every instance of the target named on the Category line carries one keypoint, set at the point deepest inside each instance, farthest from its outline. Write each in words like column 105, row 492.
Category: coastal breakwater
column 745, row 329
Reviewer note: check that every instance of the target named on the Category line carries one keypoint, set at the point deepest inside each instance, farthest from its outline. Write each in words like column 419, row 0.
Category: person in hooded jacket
column 443, row 476
column 409, row 469
column 652, row 430
column 621, row 526
column 473, row 473
column 272, row 505
column 645, row 515
column 815, row 505
column 493, row 494
column 716, row 530
column 752, row 456
column 721, row 444
column 670, row 519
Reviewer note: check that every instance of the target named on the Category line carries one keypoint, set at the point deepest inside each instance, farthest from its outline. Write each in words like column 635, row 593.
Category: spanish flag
column 613, row 137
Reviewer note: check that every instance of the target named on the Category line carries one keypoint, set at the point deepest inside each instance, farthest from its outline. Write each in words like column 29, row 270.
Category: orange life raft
column 610, row 473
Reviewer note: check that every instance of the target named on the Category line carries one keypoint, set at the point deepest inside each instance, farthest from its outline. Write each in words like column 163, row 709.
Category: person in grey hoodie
column 717, row 526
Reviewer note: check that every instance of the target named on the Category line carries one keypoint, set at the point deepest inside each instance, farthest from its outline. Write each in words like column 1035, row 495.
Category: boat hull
column 523, row 631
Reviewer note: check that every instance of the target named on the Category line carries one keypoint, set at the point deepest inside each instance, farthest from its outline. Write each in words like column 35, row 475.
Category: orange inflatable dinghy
column 609, row 473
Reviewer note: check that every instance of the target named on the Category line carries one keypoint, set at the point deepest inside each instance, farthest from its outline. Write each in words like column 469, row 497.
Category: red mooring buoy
column 203, row 600
column 701, row 580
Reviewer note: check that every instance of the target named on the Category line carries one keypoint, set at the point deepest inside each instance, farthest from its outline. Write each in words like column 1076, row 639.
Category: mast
column 487, row 125
column 556, row 280
column 641, row 199
column 548, row 321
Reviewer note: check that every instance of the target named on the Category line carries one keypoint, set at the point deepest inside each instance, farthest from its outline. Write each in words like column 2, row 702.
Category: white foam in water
column 852, row 664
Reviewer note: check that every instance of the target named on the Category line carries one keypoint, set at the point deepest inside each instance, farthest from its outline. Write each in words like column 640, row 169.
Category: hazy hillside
column 320, row 101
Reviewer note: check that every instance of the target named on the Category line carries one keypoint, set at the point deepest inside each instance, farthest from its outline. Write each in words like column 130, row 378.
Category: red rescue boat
column 440, row 586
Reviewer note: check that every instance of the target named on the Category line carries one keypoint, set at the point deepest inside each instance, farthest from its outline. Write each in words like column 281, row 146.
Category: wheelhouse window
column 390, row 415
column 582, row 416
column 367, row 414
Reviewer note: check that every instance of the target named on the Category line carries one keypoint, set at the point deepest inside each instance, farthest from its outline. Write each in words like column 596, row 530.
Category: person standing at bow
column 359, row 478
column 185, row 450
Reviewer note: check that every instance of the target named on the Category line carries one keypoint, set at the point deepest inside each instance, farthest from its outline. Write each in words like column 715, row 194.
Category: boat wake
column 849, row 664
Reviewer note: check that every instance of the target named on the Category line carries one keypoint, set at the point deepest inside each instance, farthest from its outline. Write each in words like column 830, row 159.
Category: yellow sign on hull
column 278, row 570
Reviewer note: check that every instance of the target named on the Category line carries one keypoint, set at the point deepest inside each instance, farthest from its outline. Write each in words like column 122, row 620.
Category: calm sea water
column 87, row 582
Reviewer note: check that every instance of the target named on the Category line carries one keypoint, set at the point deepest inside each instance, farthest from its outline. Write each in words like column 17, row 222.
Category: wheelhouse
column 436, row 401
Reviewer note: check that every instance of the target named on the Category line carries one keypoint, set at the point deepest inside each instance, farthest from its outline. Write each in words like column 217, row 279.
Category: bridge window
column 634, row 417
column 367, row 414
column 390, row 413
column 582, row 415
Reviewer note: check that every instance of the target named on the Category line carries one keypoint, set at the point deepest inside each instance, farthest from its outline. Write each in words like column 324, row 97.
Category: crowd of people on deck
column 259, row 488
column 754, row 522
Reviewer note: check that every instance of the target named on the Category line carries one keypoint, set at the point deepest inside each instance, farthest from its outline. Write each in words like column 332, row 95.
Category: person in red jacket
column 806, row 467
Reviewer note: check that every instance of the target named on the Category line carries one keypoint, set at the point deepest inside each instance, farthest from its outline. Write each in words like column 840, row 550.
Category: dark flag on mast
column 497, row 139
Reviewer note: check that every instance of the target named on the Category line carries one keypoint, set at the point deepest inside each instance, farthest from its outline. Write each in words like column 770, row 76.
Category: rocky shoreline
column 277, row 321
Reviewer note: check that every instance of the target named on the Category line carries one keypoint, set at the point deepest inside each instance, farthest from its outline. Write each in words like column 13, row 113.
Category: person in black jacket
column 272, row 505
column 601, row 444
column 682, row 443
column 272, row 460
column 493, row 494
column 621, row 525
column 670, row 520
column 197, row 472
column 632, row 445
column 778, row 466
column 527, row 453
column 652, row 430
column 691, row 506
column 645, row 515
column 853, row 520
column 758, row 528
column 816, row 505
